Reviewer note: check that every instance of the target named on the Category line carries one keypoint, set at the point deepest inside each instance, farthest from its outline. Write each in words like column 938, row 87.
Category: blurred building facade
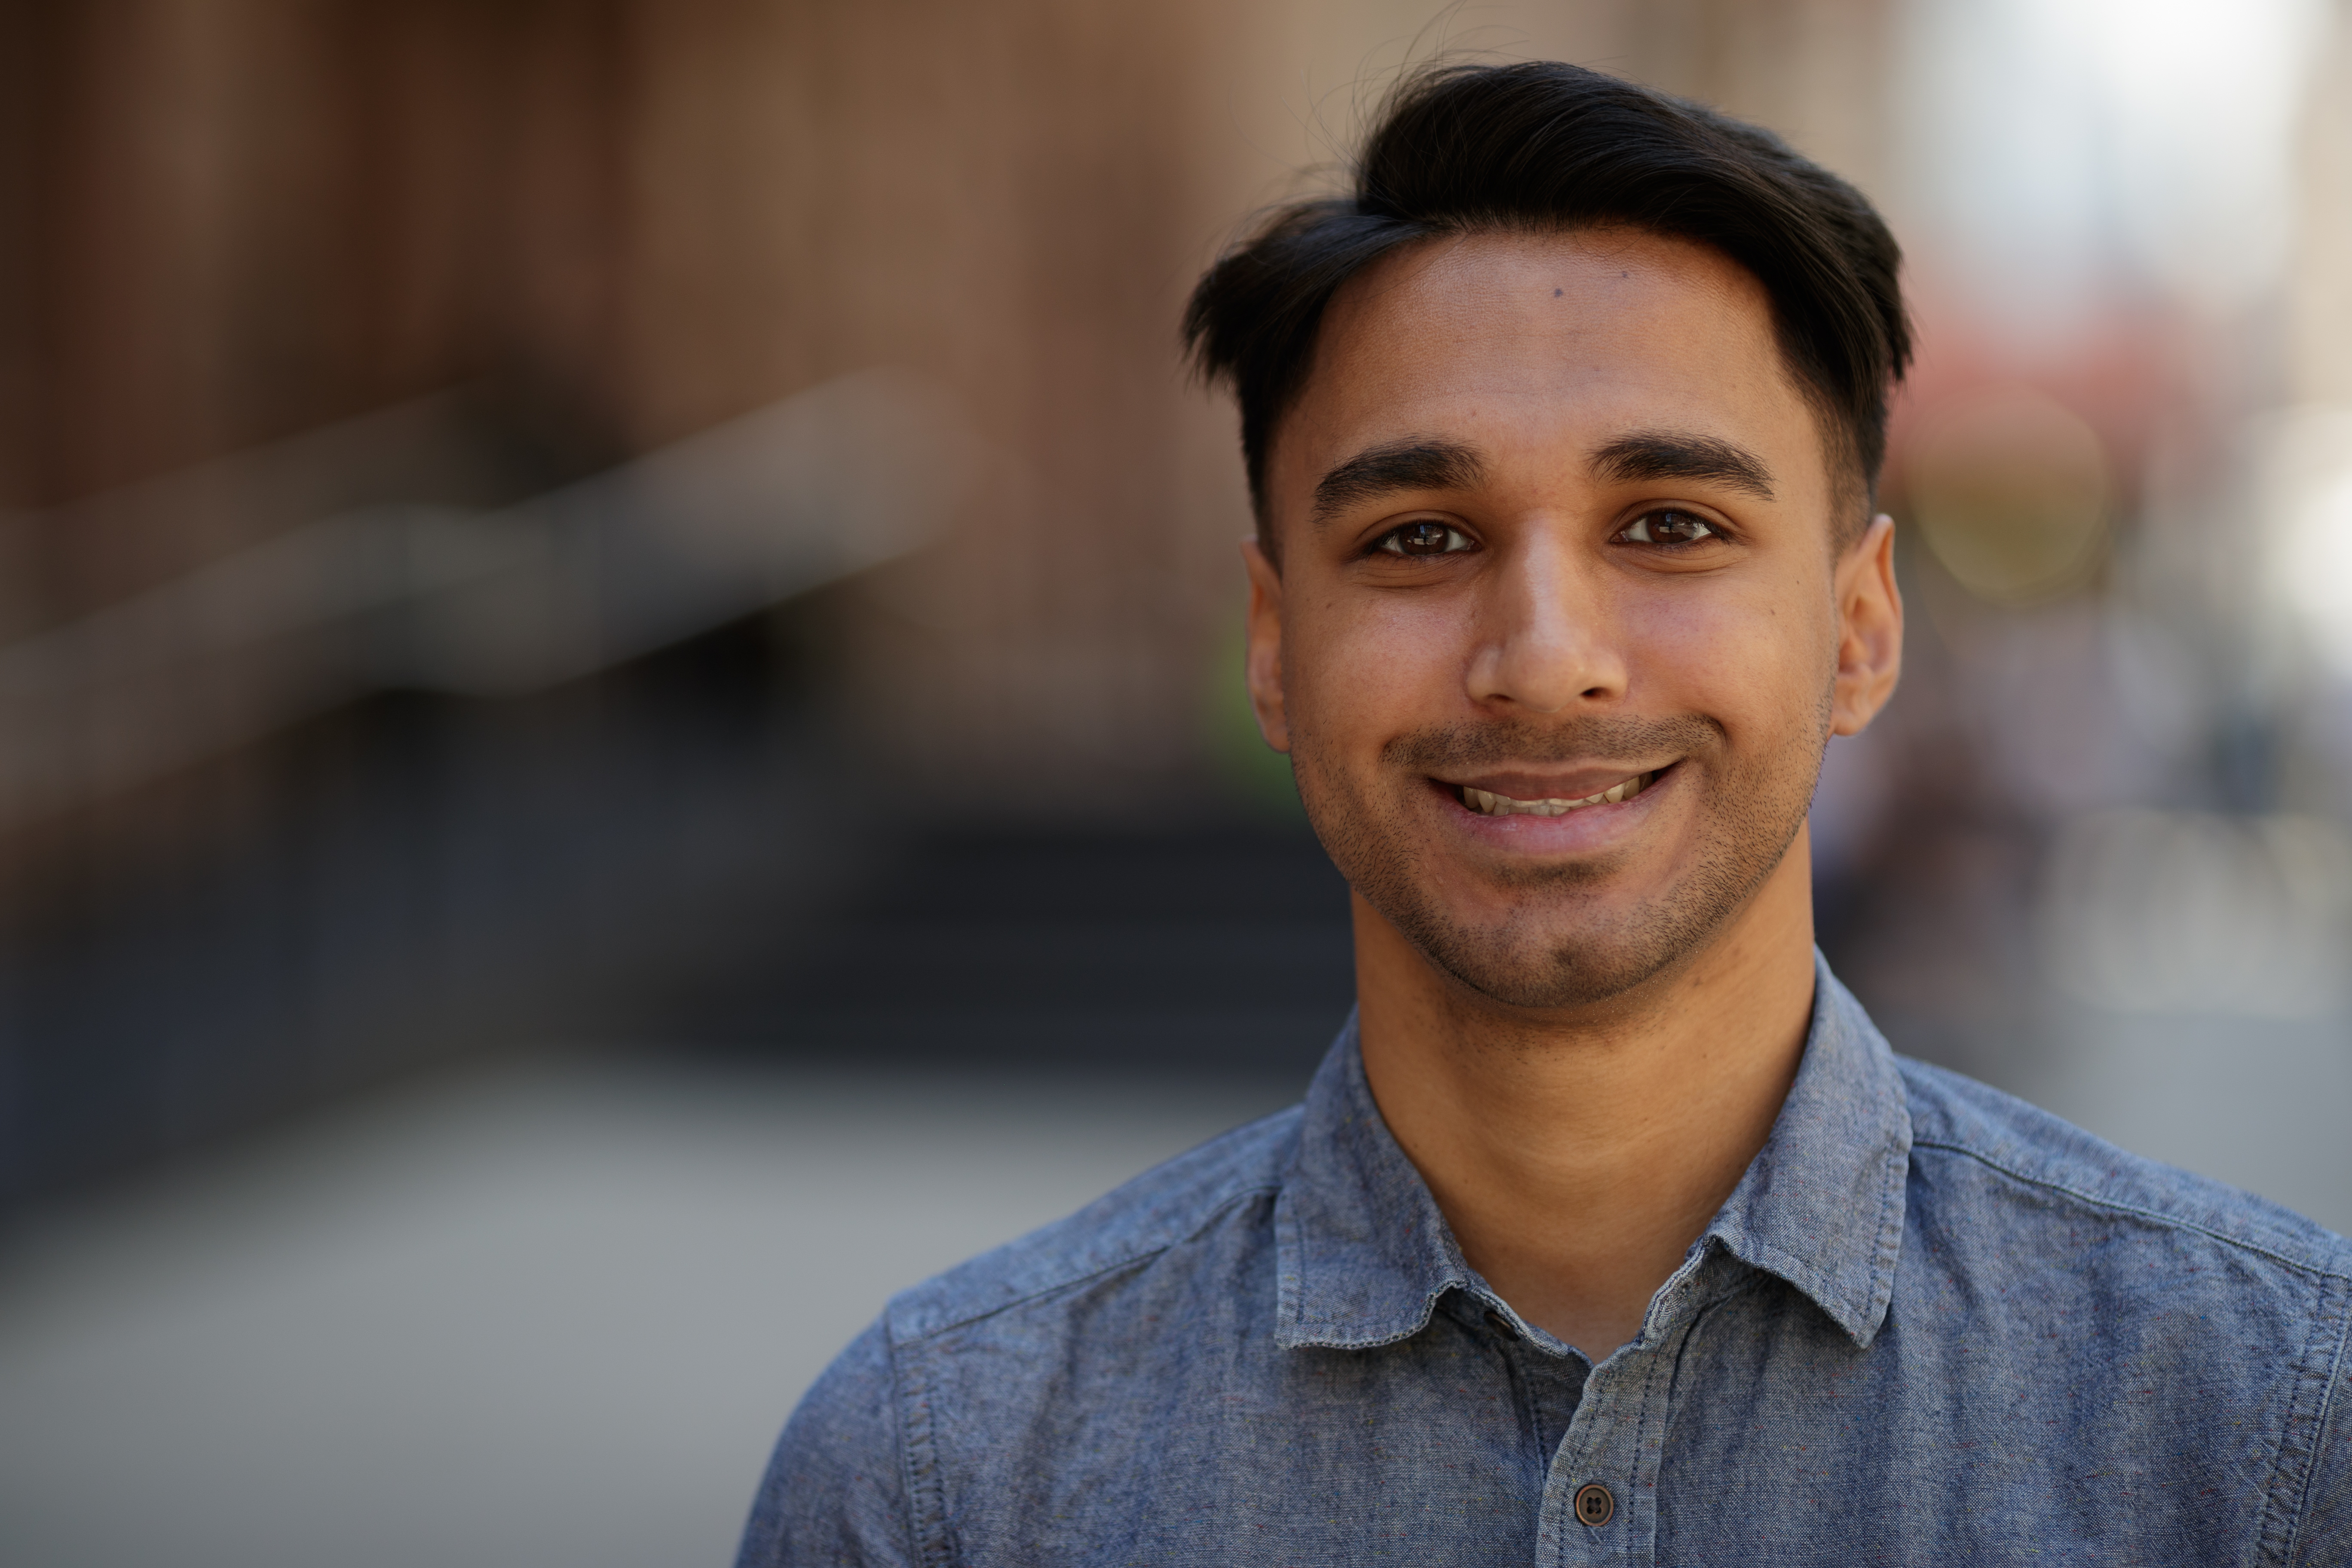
column 680, row 527
column 289, row 290
column 609, row 225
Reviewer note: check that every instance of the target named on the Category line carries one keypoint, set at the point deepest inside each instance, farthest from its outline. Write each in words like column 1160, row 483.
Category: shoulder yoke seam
column 1128, row 1260
column 2330, row 1406
column 2302, row 1265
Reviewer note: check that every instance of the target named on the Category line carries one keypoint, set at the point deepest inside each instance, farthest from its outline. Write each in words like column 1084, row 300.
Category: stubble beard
column 1748, row 813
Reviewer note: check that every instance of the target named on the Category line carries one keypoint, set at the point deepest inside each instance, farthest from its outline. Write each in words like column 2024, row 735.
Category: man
column 1609, row 1230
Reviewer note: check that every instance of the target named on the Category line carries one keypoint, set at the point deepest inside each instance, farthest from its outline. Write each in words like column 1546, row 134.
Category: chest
column 1756, row 1435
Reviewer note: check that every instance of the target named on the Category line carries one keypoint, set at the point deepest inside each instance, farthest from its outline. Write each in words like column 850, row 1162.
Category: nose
column 1542, row 644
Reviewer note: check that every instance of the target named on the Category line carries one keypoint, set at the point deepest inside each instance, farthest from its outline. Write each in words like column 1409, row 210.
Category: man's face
column 1554, row 523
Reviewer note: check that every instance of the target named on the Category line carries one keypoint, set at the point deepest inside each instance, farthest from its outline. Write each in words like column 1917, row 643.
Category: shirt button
column 1501, row 1325
column 1594, row 1506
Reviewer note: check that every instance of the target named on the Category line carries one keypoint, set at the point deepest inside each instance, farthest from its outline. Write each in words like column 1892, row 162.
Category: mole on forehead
column 1399, row 334
column 1414, row 319
column 1571, row 261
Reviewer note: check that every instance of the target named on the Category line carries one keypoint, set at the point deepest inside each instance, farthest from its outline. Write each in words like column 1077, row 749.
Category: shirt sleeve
column 835, row 1492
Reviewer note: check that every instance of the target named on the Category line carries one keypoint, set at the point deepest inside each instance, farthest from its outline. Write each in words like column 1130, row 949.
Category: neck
column 1578, row 1154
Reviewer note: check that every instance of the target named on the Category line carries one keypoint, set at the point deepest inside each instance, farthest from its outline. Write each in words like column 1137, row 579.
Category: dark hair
column 1544, row 147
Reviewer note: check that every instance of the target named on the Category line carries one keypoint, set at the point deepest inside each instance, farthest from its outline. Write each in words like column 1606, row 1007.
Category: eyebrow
column 1671, row 455
column 1415, row 463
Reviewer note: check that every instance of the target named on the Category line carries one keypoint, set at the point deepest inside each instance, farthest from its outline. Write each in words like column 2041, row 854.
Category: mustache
column 1487, row 743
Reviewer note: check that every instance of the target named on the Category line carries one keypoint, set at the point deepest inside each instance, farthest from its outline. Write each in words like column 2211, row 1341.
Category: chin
column 1548, row 937
column 1566, row 939
column 1551, row 971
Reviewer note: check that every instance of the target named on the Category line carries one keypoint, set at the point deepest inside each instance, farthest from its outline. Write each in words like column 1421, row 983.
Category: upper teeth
column 1504, row 806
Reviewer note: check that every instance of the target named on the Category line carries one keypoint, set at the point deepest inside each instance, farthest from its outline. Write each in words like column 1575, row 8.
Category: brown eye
column 1667, row 526
column 1425, row 539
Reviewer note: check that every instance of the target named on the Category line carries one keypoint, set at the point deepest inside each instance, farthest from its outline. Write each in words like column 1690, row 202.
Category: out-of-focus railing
column 839, row 478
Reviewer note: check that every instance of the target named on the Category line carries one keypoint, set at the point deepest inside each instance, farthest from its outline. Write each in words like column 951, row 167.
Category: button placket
column 1595, row 1452
column 1547, row 1383
column 1614, row 1446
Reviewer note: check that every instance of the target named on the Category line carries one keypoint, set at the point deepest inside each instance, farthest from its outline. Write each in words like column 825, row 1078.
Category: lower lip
column 1585, row 828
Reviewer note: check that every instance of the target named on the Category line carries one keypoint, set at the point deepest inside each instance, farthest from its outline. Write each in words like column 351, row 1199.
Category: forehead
column 1537, row 346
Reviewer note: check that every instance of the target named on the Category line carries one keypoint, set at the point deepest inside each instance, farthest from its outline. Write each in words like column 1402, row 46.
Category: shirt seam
column 1428, row 1313
column 1523, row 1395
column 2300, row 1265
column 1141, row 1254
column 1885, row 1257
column 1749, row 1279
column 2330, row 1406
column 919, row 1459
column 1649, row 1451
column 1294, row 1329
column 1818, row 1287
column 1289, row 1259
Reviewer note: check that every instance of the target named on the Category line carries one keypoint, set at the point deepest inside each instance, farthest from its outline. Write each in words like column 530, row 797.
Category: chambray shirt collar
column 1364, row 1257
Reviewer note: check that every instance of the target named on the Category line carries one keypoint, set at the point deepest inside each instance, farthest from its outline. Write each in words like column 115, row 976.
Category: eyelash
column 1457, row 542
column 1392, row 541
column 1709, row 529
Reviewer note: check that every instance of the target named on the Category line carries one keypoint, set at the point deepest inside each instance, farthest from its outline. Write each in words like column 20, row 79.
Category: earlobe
column 1870, row 629
column 1263, row 668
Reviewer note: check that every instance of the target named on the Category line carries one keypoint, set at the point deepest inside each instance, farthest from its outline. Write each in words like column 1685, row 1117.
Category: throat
column 1576, row 1160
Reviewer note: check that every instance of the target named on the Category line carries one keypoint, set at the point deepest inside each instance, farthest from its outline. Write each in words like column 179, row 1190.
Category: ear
column 1870, row 629
column 1263, row 667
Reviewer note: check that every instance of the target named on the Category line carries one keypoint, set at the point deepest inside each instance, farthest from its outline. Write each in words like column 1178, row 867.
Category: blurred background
column 620, row 728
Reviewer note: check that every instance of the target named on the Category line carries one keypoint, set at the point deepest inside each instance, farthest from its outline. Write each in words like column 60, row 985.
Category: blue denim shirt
column 1932, row 1325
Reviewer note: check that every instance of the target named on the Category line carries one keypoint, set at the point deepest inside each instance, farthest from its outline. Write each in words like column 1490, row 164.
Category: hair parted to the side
column 1546, row 147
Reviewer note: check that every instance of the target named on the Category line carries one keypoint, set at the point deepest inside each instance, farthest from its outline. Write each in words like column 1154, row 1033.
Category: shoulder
column 2009, row 1148
column 2238, row 1309
column 839, row 1486
column 834, row 1488
column 1165, row 1207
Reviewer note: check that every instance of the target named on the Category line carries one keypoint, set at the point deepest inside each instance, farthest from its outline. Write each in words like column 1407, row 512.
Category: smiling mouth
column 1488, row 803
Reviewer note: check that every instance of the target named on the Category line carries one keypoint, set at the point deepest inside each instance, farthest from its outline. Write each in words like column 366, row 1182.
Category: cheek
column 1751, row 657
column 1366, row 669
